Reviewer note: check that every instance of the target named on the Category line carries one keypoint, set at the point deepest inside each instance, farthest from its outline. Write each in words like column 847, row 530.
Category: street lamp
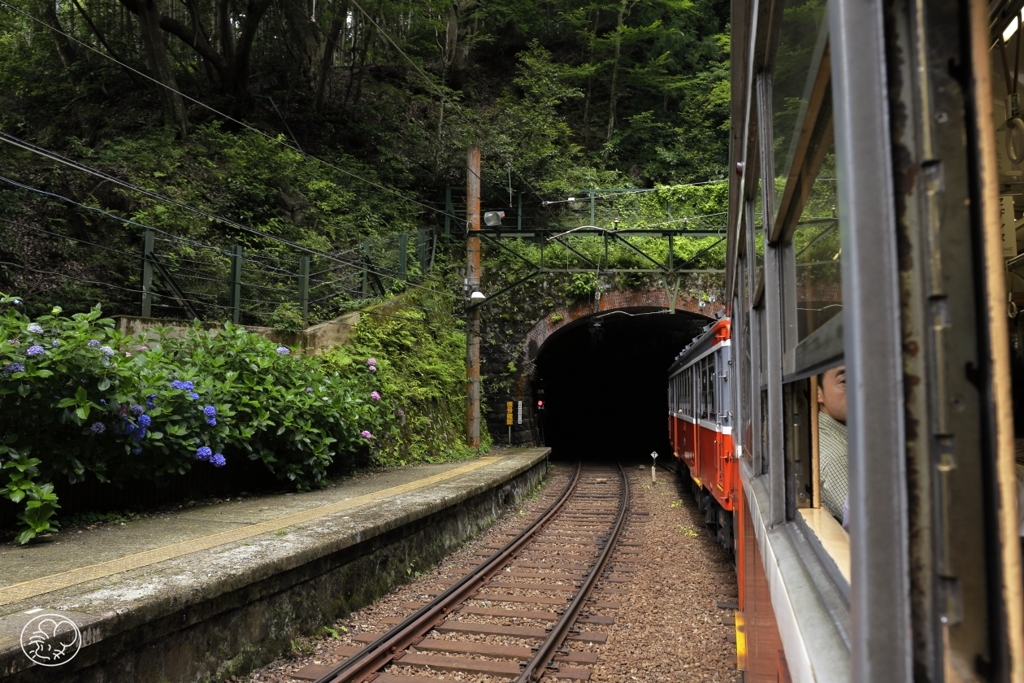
column 493, row 218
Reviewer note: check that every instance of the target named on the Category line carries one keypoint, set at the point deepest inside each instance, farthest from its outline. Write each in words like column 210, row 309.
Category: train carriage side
column 700, row 425
column 875, row 255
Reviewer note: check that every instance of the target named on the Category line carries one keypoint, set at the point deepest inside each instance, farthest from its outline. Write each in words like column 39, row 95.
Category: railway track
column 544, row 576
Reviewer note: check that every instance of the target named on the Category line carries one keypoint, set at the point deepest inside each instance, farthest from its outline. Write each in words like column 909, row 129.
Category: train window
column 816, row 251
column 802, row 41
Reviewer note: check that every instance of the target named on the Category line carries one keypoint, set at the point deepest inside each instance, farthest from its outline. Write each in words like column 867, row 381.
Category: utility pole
column 473, row 285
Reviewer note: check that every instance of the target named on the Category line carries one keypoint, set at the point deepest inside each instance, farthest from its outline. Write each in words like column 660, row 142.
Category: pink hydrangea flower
column 366, row 435
column 371, row 361
column 374, row 395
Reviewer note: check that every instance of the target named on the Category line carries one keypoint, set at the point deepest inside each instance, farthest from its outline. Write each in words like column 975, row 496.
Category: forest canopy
column 328, row 122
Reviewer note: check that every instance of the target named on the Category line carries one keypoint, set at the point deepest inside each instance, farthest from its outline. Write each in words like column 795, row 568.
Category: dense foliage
column 420, row 347
column 326, row 124
column 81, row 400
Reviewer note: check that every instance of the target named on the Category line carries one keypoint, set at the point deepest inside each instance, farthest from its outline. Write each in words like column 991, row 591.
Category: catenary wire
column 222, row 114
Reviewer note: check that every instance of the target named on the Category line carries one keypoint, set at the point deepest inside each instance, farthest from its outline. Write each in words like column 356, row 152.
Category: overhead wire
column 227, row 117
column 377, row 270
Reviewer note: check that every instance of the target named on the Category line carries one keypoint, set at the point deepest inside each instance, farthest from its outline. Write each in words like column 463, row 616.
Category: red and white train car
column 700, row 425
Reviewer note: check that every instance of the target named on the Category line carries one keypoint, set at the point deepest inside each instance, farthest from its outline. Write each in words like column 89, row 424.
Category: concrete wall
column 231, row 633
column 313, row 340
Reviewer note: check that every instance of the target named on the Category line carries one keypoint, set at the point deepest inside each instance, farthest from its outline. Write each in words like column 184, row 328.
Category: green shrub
column 80, row 399
column 421, row 350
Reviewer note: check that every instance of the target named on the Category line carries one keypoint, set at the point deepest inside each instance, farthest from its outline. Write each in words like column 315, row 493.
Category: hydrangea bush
column 79, row 399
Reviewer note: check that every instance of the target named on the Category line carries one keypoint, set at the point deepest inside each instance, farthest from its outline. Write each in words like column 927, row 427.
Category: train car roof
column 713, row 333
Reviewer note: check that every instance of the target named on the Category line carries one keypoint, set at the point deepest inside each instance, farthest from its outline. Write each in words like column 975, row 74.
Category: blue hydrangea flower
column 283, row 350
column 93, row 343
column 151, row 400
column 137, row 410
column 194, row 396
column 136, row 450
column 188, row 386
column 35, row 328
column 212, row 421
column 56, row 343
column 210, row 411
column 145, row 420
column 218, row 460
column 34, row 351
column 177, row 384
column 12, row 368
column 309, row 390
column 204, row 453
column 107, row 351
column 98, row 428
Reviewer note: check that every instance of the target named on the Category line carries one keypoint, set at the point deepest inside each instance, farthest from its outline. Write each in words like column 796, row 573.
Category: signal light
column 540, row 404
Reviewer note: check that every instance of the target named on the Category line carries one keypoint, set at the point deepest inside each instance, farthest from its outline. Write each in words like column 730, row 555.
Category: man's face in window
column 832, row 393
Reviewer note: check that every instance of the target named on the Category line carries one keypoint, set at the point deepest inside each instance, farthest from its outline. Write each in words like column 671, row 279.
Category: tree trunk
column 613, row 100
column 156, row 55
column 590, row 82
column 305, row 38
column 65, row 51
column 328, row 58
column 241, row 65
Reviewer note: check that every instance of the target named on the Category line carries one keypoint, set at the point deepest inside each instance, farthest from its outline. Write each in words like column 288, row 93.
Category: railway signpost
column 508, row 420
column 654, row 471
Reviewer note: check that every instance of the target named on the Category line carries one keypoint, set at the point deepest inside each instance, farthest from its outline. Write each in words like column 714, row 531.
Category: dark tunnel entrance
column 603, row 381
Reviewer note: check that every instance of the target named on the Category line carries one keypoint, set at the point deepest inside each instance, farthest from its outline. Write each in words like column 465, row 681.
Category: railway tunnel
column 603, row 382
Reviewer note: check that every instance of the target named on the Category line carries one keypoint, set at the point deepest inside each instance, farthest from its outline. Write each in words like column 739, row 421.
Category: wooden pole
column 473, row 285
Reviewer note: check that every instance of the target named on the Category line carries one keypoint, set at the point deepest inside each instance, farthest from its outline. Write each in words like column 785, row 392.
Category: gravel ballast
column 668, row 628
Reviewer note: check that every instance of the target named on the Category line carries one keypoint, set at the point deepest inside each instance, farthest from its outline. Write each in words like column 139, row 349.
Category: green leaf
column 104, row 384
column 82, row 412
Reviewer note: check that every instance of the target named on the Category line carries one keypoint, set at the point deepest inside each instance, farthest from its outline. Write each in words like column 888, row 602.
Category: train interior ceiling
column 603, row 383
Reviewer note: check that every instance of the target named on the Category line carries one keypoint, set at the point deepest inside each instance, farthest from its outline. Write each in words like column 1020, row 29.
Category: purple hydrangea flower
column 399, row 412
column 204, row 453
column 374, row 395
column 210, row 411
column 93, row 343
column 34, row 351
column 137, row 410
column 35, row 329
column 56, row 343
column 309, row 390
column 371, row 361
column 283, row 350
column 218, row 460
column 212, row 422
column 12, row 368
column 365, row 434
column 107, row 351
column 373, row 368
column 145, row 420
column 194, row 396
column 98, row 428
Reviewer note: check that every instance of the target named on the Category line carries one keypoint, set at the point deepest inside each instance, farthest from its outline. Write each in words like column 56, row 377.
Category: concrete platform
column 205, row 593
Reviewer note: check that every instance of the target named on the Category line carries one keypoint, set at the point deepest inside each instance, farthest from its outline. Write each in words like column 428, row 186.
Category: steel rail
column 547, row 650
column 381, row 652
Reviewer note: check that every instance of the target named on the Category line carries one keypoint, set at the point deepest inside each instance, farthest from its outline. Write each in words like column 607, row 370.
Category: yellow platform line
column 46, row 584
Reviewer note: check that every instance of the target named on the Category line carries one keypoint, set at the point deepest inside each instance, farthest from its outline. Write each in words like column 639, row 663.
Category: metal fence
column 186, row 279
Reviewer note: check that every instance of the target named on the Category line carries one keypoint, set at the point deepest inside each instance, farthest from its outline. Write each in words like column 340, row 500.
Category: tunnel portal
column 603, row 381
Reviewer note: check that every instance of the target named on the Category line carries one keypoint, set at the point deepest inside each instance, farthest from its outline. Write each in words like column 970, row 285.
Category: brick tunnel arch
column 604, row 385
column 629, row 301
